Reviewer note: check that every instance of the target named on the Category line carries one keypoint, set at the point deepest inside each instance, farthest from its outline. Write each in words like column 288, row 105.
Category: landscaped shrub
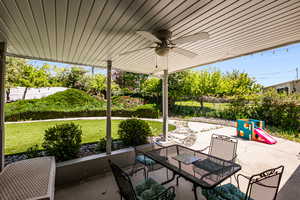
column 101, row 145
column 134, row 132
column 145, row 111
column 63, row 141
column 33, row 151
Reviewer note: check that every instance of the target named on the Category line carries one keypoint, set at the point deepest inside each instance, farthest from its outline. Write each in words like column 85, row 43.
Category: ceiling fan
column 164, row 43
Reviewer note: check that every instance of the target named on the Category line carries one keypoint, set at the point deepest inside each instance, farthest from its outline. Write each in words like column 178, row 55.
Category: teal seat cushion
column 145, row 160
column 149, row 188
column 224, row 192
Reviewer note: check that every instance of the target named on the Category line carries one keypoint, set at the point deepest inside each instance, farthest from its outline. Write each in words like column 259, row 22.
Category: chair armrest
column 234, row 157
column 241, row 175
column 158, row 144
column 169, row 191
column 201, row 150
column 137, row 170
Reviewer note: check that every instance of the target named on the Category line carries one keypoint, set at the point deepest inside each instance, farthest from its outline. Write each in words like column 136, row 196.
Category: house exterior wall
column 289, row 87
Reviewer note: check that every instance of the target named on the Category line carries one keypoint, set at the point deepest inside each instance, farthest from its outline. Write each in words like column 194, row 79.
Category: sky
column 268, row 68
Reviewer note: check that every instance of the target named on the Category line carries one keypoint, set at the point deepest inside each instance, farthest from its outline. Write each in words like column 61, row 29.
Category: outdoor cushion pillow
column 149, row 189
column 145, row 160
column 227, row 191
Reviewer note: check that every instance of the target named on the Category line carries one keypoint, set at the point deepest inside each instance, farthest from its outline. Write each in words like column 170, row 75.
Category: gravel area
column 209, row 121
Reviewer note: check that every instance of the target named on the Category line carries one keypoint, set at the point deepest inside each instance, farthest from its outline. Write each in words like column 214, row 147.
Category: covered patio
column 115, row 34
column 254, row 158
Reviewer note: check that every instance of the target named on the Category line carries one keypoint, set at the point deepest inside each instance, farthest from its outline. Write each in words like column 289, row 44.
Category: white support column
column 2, row 102
column 165, row 104
column 108, row 110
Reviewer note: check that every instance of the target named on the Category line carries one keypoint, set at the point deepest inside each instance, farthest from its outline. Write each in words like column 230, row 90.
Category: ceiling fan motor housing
column 162, row 51
column 163, row 34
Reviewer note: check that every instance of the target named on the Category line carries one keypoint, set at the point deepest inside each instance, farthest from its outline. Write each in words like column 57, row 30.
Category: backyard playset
column 252, row 129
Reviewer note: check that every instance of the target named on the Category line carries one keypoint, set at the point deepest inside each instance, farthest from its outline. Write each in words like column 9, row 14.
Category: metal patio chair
column 143, row 161
column 149, row 189
column 262, row 186
column 221, row 146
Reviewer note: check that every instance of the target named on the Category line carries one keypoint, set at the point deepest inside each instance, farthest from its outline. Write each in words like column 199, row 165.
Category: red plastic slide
column 262, row 136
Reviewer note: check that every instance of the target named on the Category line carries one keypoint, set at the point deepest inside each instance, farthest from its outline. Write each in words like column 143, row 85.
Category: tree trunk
column 201, row 102
column 7, row 94
column 24, row 94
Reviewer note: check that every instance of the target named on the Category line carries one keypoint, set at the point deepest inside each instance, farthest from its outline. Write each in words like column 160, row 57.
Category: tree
column 176, row 86
column 237, row 83
column 73, row 78
column 130, row 80
column 20, row 73
column 31, row 77
column 202, row 83
column 13, row 72
column 97, row 84
column 151, row 90
column 53, row 72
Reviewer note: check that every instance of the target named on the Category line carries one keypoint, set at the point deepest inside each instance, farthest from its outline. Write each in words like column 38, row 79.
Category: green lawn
column 20, row 136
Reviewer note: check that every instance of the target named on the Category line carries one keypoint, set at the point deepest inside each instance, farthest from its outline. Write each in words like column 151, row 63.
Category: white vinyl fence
column 33, row 93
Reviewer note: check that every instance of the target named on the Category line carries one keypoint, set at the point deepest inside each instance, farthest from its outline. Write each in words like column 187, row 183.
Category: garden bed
column 85, row 150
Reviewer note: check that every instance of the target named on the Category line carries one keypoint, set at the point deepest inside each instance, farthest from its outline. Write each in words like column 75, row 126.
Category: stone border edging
column 209, row 121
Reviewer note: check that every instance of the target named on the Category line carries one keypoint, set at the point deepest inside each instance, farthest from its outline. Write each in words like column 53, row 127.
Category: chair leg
column 133, row 169
column 147, row 173
column 195, row 191
column 167, row 173
column 177, row 180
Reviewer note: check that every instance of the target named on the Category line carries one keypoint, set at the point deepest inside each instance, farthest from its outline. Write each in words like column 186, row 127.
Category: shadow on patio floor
column 290, row 190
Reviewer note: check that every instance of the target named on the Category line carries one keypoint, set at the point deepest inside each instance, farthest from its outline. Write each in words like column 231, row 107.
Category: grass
column 20, row 136
column 285, row 134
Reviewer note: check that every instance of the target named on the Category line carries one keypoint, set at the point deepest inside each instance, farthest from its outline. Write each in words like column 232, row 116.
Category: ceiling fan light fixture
column 162, row 51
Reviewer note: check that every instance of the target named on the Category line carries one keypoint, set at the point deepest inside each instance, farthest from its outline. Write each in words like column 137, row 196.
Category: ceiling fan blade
column 149, row 36
column 184, row 52
column 134, row 51
column 191, row 38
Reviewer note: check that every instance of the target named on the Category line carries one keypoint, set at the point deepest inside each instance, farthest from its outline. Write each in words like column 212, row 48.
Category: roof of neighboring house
column 279, row 84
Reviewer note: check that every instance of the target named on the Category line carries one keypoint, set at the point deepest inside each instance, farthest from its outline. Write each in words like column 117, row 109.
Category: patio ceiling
column 86, row 32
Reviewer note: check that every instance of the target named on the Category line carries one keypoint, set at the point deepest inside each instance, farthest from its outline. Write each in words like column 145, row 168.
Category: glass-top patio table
column 201, row 169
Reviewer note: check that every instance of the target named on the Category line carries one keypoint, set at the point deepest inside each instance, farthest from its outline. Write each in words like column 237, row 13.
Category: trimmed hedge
column 145, row 111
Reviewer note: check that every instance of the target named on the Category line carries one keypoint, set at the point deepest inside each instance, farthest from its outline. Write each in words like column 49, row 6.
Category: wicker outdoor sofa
column 31, row 179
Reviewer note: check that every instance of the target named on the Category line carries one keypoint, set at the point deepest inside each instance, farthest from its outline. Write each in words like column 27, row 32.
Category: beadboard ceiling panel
column 88, row 32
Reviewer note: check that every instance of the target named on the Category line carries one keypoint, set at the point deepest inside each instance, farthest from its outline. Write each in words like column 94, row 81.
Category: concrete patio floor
column 254, row 157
